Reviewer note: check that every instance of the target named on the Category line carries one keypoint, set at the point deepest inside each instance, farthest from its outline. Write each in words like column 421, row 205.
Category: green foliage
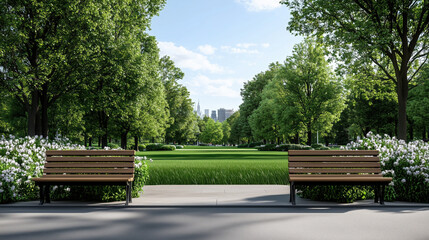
column 285, row 147
column 251, row 94
column 213, row 132
column 183, row 124
column 342, row 194
column 387, row 34
column 267, row 147
column 244, row 145
column 113, row 146
column 160, row 147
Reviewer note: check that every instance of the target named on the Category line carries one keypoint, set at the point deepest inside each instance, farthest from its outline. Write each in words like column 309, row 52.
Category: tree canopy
column 392, row 35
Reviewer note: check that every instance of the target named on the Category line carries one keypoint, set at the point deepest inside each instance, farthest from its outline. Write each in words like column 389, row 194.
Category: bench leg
column 382, row 194
column 47, row 192
column 41, row 194
column 127, row 192
column 131, row 192
column 377, row 193
column 292, row 193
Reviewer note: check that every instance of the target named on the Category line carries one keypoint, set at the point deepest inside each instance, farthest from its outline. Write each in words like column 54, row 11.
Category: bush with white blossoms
column 407, row 163
column 23, row 158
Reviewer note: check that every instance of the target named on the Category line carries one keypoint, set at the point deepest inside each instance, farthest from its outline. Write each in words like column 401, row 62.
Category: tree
column 182, row 119
column 47, row 48
column 234, row 122
column 393, row 35
column 252, row 96
column 213, row 132
column 226, row 130
column 312, row 96
column 419, row 105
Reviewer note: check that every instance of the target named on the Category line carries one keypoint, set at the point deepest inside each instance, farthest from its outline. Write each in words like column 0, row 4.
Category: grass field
column 216, row 166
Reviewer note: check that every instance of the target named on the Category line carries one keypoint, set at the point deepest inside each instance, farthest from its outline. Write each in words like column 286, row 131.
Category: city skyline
column 213, row 45
column 220, row 114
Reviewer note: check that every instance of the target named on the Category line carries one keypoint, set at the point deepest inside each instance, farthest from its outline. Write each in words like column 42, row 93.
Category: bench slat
column 83, row 179
column 88, row 176
column 90, row 159
column 334, row 170
column 89, row 165
column 334, row 165
column 332, row 159
column 332, row 152
column 319, row 178
column 88, row 170
column 90, row 153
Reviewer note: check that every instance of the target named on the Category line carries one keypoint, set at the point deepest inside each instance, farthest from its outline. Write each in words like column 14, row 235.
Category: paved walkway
column 217, row 195
column 214, row 212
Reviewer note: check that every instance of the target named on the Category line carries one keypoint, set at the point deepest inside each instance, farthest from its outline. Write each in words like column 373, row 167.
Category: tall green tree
column 212, row 133
column 393, row 35
column 182, row 120
column 48, row 48
column 313, row 97
column 252, row 96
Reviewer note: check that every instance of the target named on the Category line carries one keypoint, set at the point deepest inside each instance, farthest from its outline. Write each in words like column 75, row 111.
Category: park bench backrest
column 361, row 162
column 89, row 162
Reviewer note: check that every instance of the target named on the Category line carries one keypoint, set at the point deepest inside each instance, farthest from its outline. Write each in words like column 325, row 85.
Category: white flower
column 403, row 180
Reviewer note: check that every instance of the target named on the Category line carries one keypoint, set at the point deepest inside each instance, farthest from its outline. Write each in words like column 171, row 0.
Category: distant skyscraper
column 207, row 112
column 214, row 115
column 223, row 114
column 198, row 109
column 228, row 113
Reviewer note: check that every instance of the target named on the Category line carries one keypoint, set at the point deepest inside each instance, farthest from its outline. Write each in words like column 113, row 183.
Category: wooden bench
column 326, row 167
column 87, row 167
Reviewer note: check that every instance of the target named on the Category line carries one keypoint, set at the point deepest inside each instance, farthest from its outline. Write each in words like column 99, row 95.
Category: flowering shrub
column 23, row 158
column 406, row 163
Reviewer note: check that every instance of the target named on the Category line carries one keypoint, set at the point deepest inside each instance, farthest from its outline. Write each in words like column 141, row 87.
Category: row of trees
column 290, row 102
column 89, row 70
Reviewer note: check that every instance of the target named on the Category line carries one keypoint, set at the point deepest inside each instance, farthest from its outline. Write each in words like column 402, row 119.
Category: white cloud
column 207, row 49
column 223, row 87
column 260, row 5
column 230, row 49
column 184, row 58
column 246, row 45
column 249, row 48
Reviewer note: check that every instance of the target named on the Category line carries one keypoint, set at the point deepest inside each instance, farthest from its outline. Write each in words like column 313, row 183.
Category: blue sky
column 220, row 44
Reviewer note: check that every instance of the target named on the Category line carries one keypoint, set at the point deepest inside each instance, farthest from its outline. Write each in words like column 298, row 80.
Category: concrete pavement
column 216, row 196
column 194, row 212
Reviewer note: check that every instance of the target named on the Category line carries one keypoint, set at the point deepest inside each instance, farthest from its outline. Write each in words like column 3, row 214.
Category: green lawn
column 216, row 166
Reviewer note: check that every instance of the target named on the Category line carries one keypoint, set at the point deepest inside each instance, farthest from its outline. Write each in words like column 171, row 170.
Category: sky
column 221, row 44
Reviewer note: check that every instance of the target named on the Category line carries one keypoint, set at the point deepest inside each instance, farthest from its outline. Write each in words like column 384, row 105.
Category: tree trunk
column 136, row 143
column 38, row 123
column 424, row 133
column 103, row 121
column 402, row 91
column 90, row 142
column 32, row 110
column 411, row 129
column 124, row 138
column 296, row 139
column 309, row 134
column 44, row 102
